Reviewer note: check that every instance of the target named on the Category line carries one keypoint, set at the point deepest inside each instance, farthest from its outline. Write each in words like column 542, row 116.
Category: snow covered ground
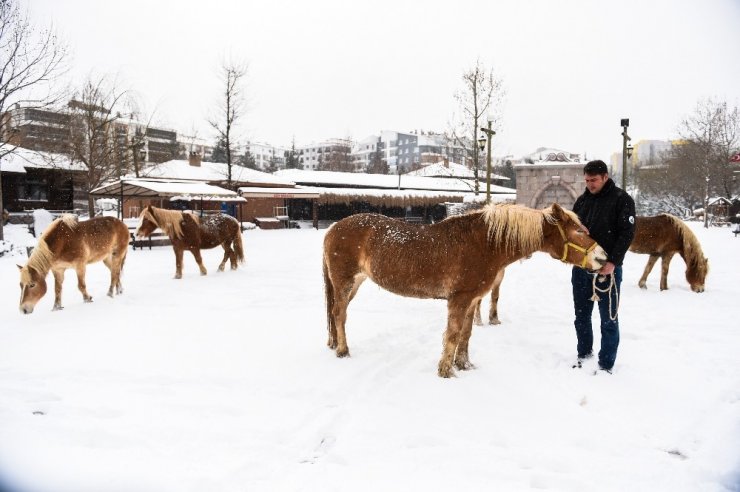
column 224, row 383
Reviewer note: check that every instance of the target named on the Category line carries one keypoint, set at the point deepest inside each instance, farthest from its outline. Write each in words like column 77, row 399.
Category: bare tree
column 95, row 141
column 30, row 61
column 230, row 111
column 698, row 164
column 481, row 95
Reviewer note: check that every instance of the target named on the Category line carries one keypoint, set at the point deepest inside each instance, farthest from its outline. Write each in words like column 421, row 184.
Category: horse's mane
column 170, row 221
column 518, row 228
column 692, row 252
column 42, row 257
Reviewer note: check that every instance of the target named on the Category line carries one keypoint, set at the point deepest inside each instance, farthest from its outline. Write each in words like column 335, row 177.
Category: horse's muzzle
column 26, row 309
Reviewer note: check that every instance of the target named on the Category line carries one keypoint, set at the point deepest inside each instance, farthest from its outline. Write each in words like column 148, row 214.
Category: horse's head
column 33, row 288
column 696, row 273
column 569, row 241
column 148, row 223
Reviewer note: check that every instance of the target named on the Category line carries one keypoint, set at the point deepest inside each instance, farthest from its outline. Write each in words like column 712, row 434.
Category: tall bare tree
column 31, row 60
column 231, row 109
column 480, row 96
column 94, row 137
column 698, row 164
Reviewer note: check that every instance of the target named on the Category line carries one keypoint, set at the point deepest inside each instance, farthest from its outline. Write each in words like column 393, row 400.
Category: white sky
column 330, row 68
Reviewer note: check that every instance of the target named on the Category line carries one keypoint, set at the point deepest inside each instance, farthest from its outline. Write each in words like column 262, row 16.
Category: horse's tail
column 238, row 247
column 329, row 297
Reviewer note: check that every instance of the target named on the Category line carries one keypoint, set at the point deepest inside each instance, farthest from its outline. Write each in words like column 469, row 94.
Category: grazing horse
column 67, row 243
column 663, row 236
column 456, row 259
column 188, row 231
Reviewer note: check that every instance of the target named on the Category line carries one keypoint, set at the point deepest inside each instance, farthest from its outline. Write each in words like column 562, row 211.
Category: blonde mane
column 41, row 260
column 519, row 228
column 170, row 221
column 692, row 252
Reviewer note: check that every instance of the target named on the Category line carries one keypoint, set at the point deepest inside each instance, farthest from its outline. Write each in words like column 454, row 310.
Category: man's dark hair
column 594, row 168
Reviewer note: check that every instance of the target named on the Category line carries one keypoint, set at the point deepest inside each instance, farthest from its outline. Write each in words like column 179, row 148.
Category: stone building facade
column 539, row 185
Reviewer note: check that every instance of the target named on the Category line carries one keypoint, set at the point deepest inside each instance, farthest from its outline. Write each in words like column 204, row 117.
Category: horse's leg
column 233, row 260
column 178, row 262
column 648, row 268
column 664, row 264
column 458, row 308
column 462, row 360
column 80, row 269
column 199, row 260
column 58, row 279
column 344, row 292
column 493, row 313
column 476, row 316
column 227, row 256
column 118, row 261
column 108, row 262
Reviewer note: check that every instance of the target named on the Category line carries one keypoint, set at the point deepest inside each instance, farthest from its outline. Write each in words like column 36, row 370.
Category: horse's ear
column 559, row 213
column 19, row 267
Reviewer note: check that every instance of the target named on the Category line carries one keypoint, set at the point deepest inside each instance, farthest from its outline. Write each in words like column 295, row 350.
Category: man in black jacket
column 608, row 213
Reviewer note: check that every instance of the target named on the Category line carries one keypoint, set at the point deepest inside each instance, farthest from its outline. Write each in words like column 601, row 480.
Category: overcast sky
column 334, row 68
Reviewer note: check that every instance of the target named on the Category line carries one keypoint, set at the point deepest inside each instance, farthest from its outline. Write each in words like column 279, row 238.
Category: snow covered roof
column 213, row 171
column 384, row 181
column 20, row 159
column 143, row 187
column 452, row 170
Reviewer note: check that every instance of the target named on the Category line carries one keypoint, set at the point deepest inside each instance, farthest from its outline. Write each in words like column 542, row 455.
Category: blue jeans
column 583, row 290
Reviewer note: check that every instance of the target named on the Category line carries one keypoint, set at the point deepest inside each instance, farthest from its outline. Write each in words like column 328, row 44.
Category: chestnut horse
column 493, row 309
column 663, row 236
column 67, row 243
column 456, row 259
column 188, row 231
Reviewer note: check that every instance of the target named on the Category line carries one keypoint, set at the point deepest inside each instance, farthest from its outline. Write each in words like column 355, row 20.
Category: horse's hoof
column 643, row 286
column 57, row 308
column 88, row 299
column 343, row 353
column 494, row 322
column 221, row 268
column 464, row 365
column 177, row 277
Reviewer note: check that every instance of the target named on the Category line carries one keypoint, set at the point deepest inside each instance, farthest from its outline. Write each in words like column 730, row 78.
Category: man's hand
column 607, row 268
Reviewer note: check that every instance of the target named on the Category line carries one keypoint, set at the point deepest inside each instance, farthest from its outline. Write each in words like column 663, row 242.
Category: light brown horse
column 663, row 236
column 67, row 243
column 189, row 232
column 456, row 259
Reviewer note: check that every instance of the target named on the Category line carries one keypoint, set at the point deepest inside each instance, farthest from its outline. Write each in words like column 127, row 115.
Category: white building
column 266, row 156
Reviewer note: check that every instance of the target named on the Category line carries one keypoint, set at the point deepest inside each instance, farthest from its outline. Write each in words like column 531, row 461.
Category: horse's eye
column 32, row 285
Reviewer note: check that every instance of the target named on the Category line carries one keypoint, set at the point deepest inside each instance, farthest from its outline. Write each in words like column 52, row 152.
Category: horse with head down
column 662, row 236
column 67, row 243
column 457, row 259
column 190, row 232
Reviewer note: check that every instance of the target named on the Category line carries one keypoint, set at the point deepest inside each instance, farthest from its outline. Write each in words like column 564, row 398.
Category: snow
column 328, row 178
column 224, row 382
column 213, row 171
column 20, row 159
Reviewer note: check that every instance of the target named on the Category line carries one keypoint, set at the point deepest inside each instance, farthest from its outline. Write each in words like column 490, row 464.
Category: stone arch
column 554, row 190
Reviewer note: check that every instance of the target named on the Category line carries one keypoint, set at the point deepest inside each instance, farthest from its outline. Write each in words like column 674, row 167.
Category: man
column 608, row 213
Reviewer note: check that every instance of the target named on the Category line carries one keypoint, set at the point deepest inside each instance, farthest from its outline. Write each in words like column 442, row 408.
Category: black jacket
column 610, row 218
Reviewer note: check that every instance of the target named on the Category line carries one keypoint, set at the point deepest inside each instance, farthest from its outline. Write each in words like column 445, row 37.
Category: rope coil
column 608, row 291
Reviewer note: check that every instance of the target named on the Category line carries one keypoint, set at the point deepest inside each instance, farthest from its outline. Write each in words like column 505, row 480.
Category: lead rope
column 608, row 291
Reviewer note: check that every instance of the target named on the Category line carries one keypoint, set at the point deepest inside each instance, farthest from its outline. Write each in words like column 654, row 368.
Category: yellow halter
column 567, row 244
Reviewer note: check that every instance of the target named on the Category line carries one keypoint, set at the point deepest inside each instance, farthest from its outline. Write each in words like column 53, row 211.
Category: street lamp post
column 625, row 123
column 706, row 204
column 489, row 134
